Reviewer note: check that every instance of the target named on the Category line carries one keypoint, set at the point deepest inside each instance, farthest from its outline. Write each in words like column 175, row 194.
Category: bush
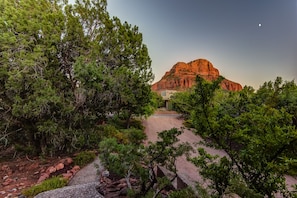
column 49, row 184
column 107, row 130
column 120, row 122
column 117, row 121
column 84, row 158
column 183, row 193
column 137, row 124
column 135, row 136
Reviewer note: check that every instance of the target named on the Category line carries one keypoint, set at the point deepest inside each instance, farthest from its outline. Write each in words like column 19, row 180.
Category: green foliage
column 135, row 136
column 181, row 103
column 84, row 158
column 24, row 149
column 238, row 187
column 140, row 161
column 107, row 130
column 120, row 123
column 65, row 67
column 49, row 184
column 202, row 191
column 219, row 172
column 125, row 136
column 254, row 129
column 118, row 157
column 183, row 193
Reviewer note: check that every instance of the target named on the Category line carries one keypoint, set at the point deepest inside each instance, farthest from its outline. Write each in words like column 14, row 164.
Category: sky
column 225, row 32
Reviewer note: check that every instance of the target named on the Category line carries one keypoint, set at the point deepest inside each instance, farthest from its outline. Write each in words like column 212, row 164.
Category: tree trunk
column 128, row 121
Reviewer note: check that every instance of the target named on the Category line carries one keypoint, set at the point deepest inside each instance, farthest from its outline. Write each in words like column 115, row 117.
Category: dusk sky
column 226, row 32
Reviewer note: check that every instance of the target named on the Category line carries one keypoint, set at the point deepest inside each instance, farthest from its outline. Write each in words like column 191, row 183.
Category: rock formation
column 182, row 76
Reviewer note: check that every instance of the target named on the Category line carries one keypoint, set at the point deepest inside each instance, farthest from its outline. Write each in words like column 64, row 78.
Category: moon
column 260, row 25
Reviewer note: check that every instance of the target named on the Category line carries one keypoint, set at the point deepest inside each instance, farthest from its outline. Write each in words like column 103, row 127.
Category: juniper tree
column 63, row 67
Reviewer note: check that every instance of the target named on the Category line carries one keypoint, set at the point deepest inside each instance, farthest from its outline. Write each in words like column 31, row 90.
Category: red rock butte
column 182, row 76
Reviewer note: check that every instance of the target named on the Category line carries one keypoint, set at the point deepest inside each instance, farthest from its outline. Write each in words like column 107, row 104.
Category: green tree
column 63, row 68
column 34, row 108
column 255, row 137
column 124, row 62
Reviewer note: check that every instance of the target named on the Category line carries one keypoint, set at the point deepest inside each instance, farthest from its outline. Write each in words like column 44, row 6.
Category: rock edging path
column 84, row 184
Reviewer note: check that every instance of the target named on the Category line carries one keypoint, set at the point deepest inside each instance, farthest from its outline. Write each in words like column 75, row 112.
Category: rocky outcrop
column 182, row 76
column 230, row 85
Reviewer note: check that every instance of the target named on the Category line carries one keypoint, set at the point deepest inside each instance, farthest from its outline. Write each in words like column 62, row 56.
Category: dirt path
column 162, row 121
column 186, row 170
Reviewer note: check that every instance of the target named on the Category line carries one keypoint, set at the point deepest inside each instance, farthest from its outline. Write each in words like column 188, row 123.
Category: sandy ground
column 186, row 170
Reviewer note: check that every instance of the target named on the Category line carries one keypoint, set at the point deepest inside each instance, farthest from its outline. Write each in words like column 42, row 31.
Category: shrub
column 84, row 158
column 135, row 136
column 183, row 193
column 120, row 122
column 107, row 130
column 137, row 124
column 49, row 184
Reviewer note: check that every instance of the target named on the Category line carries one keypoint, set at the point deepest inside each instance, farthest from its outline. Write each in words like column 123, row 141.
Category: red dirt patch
column 19, row 173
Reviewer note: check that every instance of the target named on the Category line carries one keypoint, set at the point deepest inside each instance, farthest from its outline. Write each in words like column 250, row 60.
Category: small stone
column 75, row 169
column 51, row 170
column 12, row 190
column 5, row 177
column 122, row 185
column 9, row 195
column 105, row 173
column 68, row 161
column 2, row 192
column 7, row 182
column 59, row 166
column 67, row 175
column 36, row 173
column 4, row 167
column 43, row 177
column 33, row 166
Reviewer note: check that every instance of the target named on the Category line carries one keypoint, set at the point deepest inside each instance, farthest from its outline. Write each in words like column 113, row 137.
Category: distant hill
column 182, row 76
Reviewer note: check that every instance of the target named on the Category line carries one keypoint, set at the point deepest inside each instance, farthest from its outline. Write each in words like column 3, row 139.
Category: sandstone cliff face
column 182, row 76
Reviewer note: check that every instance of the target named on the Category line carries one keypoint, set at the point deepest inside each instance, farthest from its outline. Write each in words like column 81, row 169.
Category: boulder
column 88, row 190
